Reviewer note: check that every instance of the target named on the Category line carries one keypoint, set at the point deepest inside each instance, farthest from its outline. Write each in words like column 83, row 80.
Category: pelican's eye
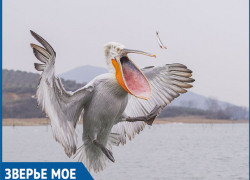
column 118, row 50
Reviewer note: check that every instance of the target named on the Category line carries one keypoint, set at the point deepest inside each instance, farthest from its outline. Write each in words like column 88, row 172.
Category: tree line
column 213, row 110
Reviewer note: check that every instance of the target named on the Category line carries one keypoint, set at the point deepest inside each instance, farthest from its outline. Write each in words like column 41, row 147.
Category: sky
column 210, row 37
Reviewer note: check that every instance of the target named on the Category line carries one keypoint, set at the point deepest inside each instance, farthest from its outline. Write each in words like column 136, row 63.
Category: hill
column 19, row 86
column 21, row 81
column 191, row 99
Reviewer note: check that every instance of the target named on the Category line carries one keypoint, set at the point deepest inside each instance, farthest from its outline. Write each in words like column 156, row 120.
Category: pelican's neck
column 109, row 64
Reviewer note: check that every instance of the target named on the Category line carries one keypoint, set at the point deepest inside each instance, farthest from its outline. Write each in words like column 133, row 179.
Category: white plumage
column 112, row 111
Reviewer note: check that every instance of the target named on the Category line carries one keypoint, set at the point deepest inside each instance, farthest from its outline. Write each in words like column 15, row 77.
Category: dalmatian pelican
column 115, row 105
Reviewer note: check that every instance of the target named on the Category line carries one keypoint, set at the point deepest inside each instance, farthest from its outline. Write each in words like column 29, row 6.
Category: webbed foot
column 107, row 152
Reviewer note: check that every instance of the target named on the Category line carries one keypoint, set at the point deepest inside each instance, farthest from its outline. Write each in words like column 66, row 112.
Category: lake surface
column 167, row 151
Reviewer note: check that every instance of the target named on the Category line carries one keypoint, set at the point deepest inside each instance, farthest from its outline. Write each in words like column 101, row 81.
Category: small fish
column 159, row 41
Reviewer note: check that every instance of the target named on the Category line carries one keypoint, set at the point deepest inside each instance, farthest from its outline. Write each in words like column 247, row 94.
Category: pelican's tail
column 92, row 156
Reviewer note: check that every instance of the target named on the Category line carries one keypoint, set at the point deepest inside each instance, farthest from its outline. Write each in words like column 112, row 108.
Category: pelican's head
column 127, row 73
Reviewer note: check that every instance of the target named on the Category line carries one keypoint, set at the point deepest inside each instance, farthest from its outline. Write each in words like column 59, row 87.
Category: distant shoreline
column 186, row 119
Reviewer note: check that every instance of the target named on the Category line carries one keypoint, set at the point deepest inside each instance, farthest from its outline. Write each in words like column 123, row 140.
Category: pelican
column 114, row 105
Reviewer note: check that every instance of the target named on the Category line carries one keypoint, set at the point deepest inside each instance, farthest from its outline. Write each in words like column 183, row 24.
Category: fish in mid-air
column 159, row 41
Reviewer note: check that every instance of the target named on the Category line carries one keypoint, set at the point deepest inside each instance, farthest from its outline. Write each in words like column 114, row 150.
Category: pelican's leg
column 107, row 152
column 149, row 119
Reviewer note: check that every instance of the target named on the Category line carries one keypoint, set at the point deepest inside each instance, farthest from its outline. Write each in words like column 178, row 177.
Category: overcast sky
column 210, row 37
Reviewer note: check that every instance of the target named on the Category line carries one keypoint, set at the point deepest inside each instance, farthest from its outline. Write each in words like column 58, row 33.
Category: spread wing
column 167, row 83
column 63, row 108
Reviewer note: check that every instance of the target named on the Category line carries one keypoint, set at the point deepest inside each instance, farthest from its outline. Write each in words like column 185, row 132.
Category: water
column 167, row 151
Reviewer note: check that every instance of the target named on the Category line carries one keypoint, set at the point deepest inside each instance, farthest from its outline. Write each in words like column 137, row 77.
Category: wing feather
column 41, row 57
column 62, row 107
column 167, row 83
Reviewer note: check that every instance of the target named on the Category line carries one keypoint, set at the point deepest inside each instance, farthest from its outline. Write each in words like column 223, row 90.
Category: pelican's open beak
column 130, row 76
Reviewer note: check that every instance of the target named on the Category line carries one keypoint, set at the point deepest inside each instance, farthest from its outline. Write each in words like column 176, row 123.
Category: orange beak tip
column 154, row 56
